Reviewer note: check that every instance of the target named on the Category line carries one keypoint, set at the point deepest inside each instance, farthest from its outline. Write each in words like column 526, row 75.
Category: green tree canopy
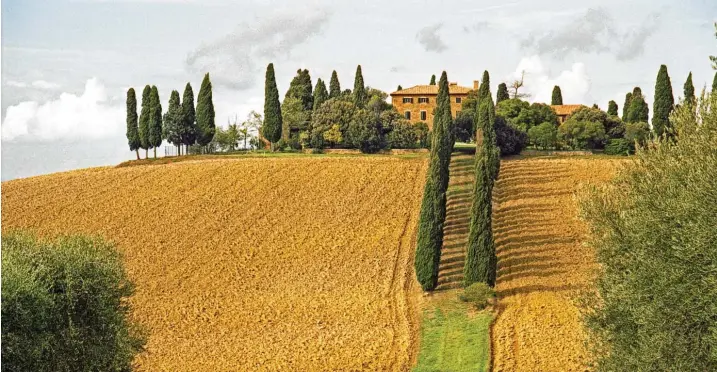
column 144, row 118
column 155, row 120
column 689, row 90
column 523, row 116
column 582, row 134
column 638, row 111
column 433, row 80
column 320, row 94
column 334, row 86
column 626, row 106
column 335, row 111
column 612, row 108
column 293, row 117
column 205, row 113
column 172, row 120
column 664, row 102
column 544, row 135
column 271, row 130
column 132, row 127
column 399, row 87
column 484, row 88
column 188, row 131
column 557, row 98
column 359, row 92
column 502, row 94
column 301, row 88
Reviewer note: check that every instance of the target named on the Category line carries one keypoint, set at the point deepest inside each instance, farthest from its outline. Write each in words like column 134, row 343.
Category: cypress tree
column 188, row 130
column 272, row 109
column 664, row 102
column 639, row 111
column 443, row 111
column 300, row 88
column 143, row 128
column 484, row 89
column 612, row 108
column 626, row 106
column 320, row 94
column 172, row 120
column 132, row 128
column 205, row 113
column 689, row 89
column 433, row 205
column 557, row 96
column 502, row 93
column 714, row 83
column 481, row 260
column 155, row 120
column 334, row 86
column 433, row 80
column 399, row 87
column 359, row 89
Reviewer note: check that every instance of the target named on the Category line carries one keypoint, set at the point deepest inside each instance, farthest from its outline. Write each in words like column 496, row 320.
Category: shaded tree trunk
column 155, row 152
column 137, row 152
column 146, row 153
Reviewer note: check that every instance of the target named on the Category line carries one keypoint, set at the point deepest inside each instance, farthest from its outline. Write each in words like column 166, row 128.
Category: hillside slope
column 542, row 262
column 252, row 264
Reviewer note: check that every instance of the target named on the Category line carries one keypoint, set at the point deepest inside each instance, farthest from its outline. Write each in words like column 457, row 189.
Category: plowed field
column 542, row 262
column 255, row 264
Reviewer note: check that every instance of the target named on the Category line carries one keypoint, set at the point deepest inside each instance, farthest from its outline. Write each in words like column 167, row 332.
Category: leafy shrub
column 582, row 134
column 511, row 141
column 64, row 306
column 366, row 132
column 639, row 131
column 464, row 127
column 478, row 294
column 544, row 135
column 618, row 146
column 653, row 228
column 403, row 136
column 333, row 136
column 423, row 135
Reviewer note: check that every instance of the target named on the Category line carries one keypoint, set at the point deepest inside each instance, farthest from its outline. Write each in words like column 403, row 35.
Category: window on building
column 423, row 114
column 407, row 99
column 422, row 99
column 458, row 99
column 408, row 115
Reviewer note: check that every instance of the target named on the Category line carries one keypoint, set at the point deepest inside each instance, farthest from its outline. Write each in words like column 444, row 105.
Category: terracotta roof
column 431, row 90
column 561, row 110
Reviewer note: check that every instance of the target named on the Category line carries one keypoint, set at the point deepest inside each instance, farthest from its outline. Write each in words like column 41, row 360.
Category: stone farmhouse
column 417, row 103
column 563, row 111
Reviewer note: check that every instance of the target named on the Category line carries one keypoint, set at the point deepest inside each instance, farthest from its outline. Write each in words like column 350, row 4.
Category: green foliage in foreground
column 453, row 340
column 478, row 294
column 64, row 306
column 653, row 228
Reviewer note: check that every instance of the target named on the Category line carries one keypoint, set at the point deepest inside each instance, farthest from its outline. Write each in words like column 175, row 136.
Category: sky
column 67, row 64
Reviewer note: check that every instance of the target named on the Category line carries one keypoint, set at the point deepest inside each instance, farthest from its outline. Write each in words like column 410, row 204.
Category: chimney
column 475, row 84
column 452, row 83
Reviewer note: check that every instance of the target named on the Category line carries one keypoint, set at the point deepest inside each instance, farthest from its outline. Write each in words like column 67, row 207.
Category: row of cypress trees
column 180, row 125
column 433, row 205
column 481, row 260
column 312, row 99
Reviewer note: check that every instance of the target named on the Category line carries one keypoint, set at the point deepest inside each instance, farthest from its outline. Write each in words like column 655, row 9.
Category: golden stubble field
column 543, row 263
column 252, row 264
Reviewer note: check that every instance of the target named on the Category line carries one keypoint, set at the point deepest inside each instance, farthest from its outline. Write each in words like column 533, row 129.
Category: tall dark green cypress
column 132, row 128
column 689, row 90
column 399, row 87
column 359, row 89
column 155, row 120
column 639, row 110
column 334, row 86
column 320, row 94
column 188, row 130
column 484, row 88
column 481, row 260
column 144, row 119
column 664, row 102
column 557, row 98
column 502, row 94
column 205, row 113
column 272, row 108
column 626, row 106
column 433, row 205
column 172, row 120
column 612, row 108
column 433, row 80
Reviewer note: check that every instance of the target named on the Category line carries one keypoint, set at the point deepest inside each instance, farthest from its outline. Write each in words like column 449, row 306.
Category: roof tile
column 431, row 90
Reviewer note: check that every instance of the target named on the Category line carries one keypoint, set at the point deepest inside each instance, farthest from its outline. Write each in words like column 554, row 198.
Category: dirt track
column 542, row 263
column 253, row 264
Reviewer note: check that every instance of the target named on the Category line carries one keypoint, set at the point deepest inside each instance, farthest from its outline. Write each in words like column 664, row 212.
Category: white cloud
column 429, row 38
column 574, row 83
column 42, row 84
column 16, row 84
column 88, row 116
